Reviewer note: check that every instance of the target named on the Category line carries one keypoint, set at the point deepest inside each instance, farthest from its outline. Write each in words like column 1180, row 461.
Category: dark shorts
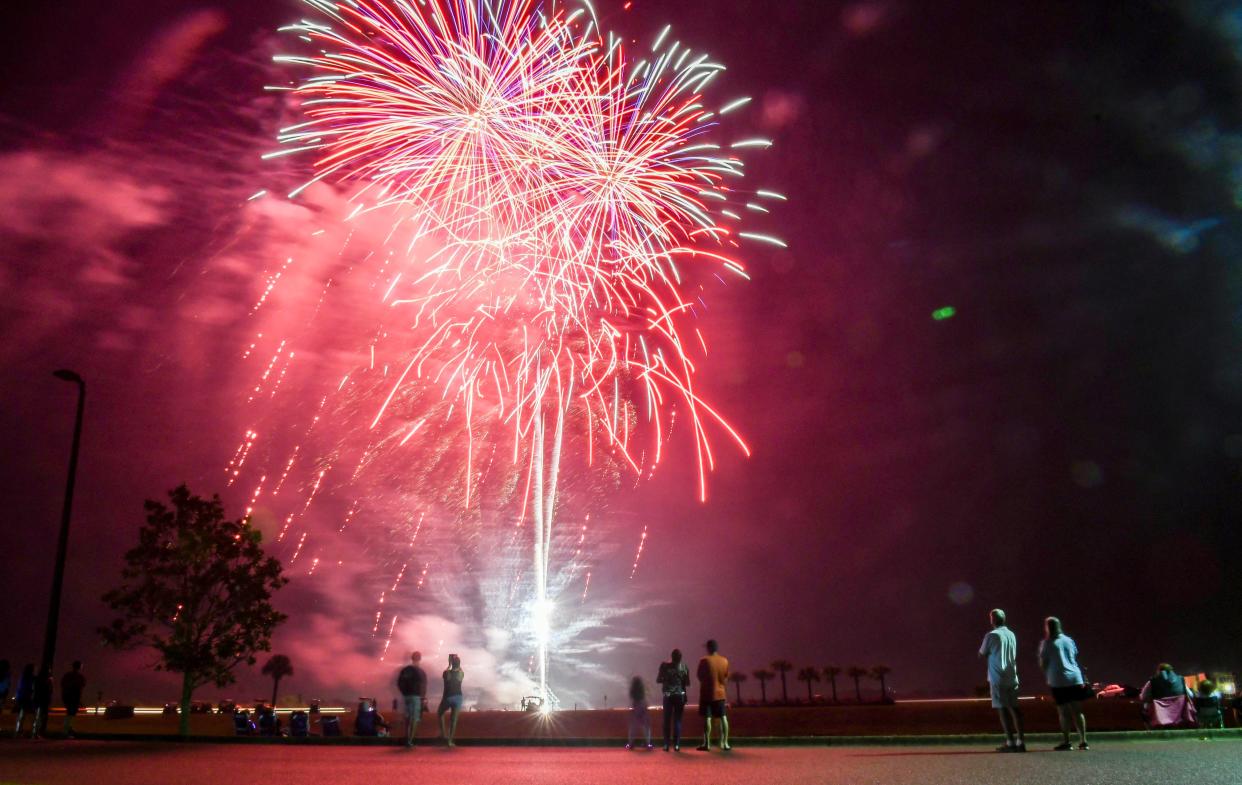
column 1078, row 692
column 711, row 709
column 453, row 702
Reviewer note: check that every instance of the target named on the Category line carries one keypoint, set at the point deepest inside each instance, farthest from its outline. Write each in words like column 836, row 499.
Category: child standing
column 639, row 717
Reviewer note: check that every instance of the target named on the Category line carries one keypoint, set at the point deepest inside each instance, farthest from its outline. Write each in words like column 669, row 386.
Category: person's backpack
column 268, row 724
column 364, row 725
column 299, row 724
column 242, row 726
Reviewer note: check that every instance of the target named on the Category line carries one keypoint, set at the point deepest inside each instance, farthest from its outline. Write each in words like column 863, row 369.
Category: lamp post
column 62, row 546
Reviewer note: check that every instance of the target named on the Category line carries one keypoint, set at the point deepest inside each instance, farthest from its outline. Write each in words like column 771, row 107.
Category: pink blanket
column 1171, row 712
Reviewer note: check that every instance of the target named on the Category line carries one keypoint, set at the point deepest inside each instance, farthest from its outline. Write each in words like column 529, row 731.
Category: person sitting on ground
column 1167, row 702
column 369, row 722
column 640, row 718
column 1164, row 684
column 1210, row 707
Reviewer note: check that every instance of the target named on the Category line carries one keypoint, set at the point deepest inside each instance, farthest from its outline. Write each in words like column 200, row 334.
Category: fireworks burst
column 551, row 204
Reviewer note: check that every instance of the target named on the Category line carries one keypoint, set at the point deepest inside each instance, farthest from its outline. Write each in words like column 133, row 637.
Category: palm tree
column 763, row 676
column 809, row 675
column 278, row 667
column 782, row 667
column 878, row 672
column 855, row 672
column 831, row 672
column 737, row 679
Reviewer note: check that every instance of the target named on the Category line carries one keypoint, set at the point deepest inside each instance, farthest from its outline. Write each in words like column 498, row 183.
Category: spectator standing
column 713, row 677
column 6, row 682
column 640, row 717
column 42, row 702
column 25, row 698
column 412, row 682
column 1058, row 659
column 451, row 701
column 71, row 686
column 1000, row 646
column 674, row 678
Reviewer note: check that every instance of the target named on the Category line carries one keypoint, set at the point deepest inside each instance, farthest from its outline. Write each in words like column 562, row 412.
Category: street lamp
column 62, row 545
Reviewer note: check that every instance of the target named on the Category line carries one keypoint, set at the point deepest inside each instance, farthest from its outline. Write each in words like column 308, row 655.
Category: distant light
column 947, row 312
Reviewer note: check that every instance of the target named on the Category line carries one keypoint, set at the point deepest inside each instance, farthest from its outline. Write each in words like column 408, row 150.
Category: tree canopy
column 198, row 589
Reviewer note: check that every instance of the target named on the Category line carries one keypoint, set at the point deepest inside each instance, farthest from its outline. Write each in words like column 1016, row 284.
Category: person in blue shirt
column 1058, row 659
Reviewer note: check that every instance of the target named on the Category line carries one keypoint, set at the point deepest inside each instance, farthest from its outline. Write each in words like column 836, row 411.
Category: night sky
column 1066, row 176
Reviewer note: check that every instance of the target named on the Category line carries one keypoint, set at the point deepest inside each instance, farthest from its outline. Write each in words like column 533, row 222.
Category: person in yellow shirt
column 713, row 679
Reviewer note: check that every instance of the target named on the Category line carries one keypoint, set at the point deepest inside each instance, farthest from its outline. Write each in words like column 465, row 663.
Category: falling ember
column 349, row 515
column 586, row 586
column 239, row 457
column 285, row 529
column 639, row 554
column 254, row 498
column 388, row 640
column 314, row 565
column 301, row 542
column 288, row 466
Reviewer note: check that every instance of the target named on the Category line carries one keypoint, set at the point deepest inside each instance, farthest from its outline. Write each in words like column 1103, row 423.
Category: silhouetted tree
column 855, row 672
column 737, row 679
column 763, row 676
column 197, row 588
column 782, row 667
column 810, row 676
column 278, row 667
column 831, row 672
column 879, row 672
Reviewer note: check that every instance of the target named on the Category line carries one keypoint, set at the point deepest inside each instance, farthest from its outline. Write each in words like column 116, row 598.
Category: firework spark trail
column 551, row 203
column 638, row 555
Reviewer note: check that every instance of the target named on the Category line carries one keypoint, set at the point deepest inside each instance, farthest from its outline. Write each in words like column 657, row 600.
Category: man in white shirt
column 1001, row 648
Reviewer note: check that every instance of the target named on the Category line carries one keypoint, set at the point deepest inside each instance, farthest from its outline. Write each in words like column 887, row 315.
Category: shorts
column 413, row 707
column 1004, row 696
column 1076, row 692
column 450, row 702
column 711, row 709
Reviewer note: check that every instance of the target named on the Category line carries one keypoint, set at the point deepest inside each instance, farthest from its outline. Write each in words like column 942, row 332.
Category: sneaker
column 703, row 748
column 1064, row 747
column 1021, row 747
column 629, row 746
column 1084, row 746
column 651, row 747
column 676, row 748
column 1006, row 748
column 727, row 747
column 666, row 748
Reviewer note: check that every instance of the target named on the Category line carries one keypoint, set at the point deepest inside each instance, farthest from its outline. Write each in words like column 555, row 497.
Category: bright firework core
column 551, row 212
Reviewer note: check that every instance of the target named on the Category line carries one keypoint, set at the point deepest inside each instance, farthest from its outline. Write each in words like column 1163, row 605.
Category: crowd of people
column 673, row 677
column 32, row 695
column 1166, row 699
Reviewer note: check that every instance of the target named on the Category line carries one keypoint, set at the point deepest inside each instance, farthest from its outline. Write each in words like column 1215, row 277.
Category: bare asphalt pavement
column 1124, row 763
